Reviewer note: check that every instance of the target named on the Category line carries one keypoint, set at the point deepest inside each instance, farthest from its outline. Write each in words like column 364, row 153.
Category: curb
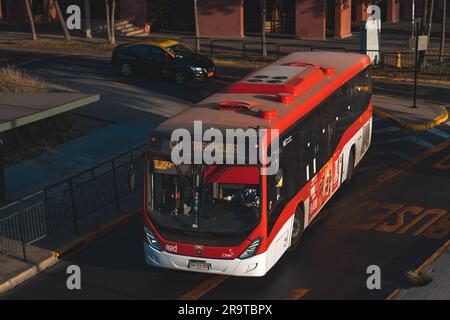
column 28, row 273
column 64, row 250
column 421, row 267
column 443, row 117
column 33, row 60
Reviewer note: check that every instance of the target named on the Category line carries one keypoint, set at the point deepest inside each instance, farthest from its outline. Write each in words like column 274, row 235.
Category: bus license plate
column 199, row 265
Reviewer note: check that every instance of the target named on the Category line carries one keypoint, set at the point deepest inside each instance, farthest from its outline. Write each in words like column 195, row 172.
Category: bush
column 13, row 80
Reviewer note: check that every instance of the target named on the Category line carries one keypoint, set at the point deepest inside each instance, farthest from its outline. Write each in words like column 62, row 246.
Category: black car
column 165, row 58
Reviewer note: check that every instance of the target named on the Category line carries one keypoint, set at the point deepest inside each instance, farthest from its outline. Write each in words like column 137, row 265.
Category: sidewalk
column 46, row 253
column 74, row 156
column 439, row 288
column 399, row 110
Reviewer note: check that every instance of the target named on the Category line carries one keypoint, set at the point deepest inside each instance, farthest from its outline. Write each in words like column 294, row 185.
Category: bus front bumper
column 250, row 267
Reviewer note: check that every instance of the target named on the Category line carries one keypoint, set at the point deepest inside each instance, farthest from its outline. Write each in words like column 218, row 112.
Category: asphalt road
column 395, row 214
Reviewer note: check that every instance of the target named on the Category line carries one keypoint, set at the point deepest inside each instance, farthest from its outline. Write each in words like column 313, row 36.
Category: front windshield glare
column 206, row 198
column 180, row 50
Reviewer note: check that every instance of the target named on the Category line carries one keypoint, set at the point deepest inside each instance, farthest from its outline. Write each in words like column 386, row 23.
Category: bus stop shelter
column 19, row 109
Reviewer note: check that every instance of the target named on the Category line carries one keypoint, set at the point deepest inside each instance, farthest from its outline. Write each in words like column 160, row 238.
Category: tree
column 424, row 14
column 430, row 19
column 157, row 9
column 263, row 10
column 62, row 21
column 30, row 17
column 113, row 11
column 87, row 20
column 108, row 30
column 443, row 22
column 197, row 28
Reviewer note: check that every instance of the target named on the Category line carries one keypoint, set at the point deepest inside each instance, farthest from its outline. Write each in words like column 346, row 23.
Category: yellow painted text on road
column 402, row 219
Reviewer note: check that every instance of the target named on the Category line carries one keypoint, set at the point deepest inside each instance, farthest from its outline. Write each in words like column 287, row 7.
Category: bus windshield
column 213, row 199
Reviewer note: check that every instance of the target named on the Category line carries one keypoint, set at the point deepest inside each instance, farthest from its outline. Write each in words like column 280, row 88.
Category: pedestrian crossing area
column 391, row 145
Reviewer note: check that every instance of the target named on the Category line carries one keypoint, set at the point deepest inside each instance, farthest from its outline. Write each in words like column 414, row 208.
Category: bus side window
column 322, row 152
column 308, row 144
column 275, row 198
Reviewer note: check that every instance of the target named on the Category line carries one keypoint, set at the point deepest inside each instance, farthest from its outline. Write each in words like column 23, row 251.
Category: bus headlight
column 251, row 249
column 151, row 240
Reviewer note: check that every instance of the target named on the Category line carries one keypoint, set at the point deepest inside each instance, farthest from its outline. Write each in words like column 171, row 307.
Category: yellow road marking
column 392, row 173
column 203, row 288
column 297, row 294
column 443, row 164
column 215, row 281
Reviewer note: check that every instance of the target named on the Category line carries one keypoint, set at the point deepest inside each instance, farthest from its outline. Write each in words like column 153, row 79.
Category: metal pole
column 116, row 193
column 413, row 17
column 21, row 231
column 416, row 57
column 74, row 212
column 2, row 173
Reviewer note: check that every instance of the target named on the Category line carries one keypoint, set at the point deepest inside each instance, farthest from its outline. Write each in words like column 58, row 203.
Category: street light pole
column 413, row 17
column 416, row 62
column 2, row 173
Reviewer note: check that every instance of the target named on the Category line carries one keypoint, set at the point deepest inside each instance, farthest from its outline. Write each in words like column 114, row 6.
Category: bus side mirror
column 131, row 178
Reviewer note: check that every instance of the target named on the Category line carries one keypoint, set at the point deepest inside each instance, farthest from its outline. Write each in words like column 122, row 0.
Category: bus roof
column 302, row 80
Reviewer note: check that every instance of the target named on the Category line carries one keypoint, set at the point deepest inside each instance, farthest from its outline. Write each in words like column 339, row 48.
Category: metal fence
column 401, row 61
column 66, row 203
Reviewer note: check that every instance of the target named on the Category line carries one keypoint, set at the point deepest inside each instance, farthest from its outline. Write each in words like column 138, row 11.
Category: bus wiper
column 183, row 177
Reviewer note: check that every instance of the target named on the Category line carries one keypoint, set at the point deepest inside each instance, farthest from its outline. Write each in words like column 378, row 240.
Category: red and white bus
column 321, row 104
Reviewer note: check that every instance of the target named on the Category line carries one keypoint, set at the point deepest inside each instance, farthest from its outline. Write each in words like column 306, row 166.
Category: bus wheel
column 297, row 228
column 350, row 166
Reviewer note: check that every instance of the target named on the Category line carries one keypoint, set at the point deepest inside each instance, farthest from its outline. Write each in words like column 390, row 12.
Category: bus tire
column 350, row 166
column 297, row 228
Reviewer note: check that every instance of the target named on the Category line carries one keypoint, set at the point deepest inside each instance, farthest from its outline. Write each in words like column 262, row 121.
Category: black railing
column 66, row 203
column 402, row 61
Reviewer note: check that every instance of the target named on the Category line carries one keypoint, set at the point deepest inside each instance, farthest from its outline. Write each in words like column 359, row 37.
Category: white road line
column 439, row 133
column 399, row 154
column 421, row 142
column 414, row 139
column 387, row 129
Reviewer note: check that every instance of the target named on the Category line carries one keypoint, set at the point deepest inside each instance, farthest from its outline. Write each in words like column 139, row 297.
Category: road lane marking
column 439, row 133
column 421, row 142
column 297, row 294
column 387, row 129
column 392, row 173
column 203, row 288
column 400, row 219
column 399, row 154
column 414, row 139
column 443, row 164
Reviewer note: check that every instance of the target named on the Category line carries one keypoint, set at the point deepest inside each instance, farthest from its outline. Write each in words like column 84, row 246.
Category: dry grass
column 13, row 80
column 418, row 278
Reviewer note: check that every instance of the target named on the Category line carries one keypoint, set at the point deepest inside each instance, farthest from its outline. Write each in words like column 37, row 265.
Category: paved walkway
column 72, row 157
column 439, row 288
column 426, row 115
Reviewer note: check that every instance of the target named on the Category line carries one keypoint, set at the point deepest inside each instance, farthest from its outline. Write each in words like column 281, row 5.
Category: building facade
column 304, row 19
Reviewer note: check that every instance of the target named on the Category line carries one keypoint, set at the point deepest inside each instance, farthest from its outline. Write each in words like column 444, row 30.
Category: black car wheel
column 180, row 77
column 126, row 69
column 297, row 228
